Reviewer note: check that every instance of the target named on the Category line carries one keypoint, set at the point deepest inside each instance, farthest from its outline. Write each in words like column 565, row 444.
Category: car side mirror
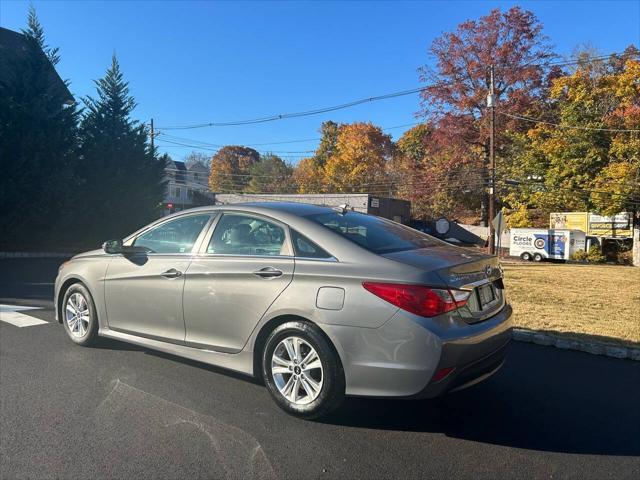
column 112, row 246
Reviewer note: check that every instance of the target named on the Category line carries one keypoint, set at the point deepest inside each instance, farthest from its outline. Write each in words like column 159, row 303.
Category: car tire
column 526, row 256
column 537, row 257
column 79, row 316
column 321, row 388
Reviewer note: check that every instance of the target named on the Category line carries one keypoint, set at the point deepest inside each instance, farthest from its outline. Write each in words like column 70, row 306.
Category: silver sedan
column 317, row 302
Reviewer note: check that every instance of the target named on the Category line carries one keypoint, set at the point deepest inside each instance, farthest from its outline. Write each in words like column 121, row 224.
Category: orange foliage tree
column 359, row 163
column 231, row 167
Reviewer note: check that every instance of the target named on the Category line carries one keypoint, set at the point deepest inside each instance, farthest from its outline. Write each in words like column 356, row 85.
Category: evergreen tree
column 38, row 143
column 329, row 131
column 36, row 32
column 123, row 180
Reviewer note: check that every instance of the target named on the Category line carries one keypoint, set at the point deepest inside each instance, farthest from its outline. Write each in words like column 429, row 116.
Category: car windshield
column 374, row 233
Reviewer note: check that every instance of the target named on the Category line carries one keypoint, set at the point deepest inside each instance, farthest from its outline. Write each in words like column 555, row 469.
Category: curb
column 35, row 255
column 594, row 348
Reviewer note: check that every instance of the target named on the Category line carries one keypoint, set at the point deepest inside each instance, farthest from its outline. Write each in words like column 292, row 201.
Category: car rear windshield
column 376, row 234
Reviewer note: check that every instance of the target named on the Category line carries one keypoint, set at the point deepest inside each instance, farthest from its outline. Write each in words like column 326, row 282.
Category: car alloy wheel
column 77, row 315
column 297, row 370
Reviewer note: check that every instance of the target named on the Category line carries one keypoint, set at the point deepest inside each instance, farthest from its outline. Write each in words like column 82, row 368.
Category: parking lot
column 122, row 411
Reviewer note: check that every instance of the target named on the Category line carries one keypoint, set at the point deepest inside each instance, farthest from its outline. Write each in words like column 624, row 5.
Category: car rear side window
column 246, row 235
column 303, row 247
column 376, row 234
column 175, row 236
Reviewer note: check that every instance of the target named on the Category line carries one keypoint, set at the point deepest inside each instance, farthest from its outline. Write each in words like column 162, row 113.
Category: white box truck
column 539, row 244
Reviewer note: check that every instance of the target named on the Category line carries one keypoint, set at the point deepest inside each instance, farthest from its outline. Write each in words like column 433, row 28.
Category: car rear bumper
column 466, row 375
column 400, row 358
column 472, row 358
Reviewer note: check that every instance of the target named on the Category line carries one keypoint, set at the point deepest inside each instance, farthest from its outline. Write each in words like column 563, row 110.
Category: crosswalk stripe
column 11, row 314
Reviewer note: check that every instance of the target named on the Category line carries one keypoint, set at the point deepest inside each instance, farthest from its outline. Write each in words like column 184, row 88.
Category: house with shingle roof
column 13, row 48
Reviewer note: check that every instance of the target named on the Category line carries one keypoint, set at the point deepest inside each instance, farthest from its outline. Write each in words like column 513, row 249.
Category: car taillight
column 418, row 299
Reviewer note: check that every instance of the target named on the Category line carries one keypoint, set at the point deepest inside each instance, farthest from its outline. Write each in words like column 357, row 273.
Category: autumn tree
column 307, row 177
column 409, row 167
column 585, row 154
column 454, row 97
column 359, row 162
column 270, row 175
column 230, row 168
column 309, row 173
column 617, row 186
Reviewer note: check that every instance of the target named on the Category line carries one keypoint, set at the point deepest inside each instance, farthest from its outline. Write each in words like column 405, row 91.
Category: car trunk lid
column 463, row 270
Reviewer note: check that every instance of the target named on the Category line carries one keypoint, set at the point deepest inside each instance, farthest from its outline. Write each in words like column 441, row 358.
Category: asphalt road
column 120, row 411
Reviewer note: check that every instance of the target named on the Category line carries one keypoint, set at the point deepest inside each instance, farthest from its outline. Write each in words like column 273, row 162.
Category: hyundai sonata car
column 319, row 303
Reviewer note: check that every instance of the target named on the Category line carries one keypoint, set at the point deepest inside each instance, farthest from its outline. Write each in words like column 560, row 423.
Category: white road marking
column 11, row 314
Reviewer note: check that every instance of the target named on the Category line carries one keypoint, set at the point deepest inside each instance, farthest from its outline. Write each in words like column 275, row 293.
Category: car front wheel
column 79, row 315
column 302, row 371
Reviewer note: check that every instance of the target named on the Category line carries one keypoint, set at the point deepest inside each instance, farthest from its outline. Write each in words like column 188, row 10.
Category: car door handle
column 171, row 273
column 268, row 272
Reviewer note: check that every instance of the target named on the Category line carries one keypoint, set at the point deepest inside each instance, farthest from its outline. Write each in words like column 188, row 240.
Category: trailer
column 539, row 244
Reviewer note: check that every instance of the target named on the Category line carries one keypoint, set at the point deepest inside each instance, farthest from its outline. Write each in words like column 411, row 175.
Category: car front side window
column 247, row 235
column 176, row 236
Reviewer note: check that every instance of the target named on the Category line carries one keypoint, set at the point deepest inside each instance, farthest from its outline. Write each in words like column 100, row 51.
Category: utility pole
column 491, row 103
column 153, row 150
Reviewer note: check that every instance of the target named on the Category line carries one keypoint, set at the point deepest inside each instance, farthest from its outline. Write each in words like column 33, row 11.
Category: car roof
column 295, row 208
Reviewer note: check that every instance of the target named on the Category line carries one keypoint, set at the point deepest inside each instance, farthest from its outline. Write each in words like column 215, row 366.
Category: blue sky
column 194, row 62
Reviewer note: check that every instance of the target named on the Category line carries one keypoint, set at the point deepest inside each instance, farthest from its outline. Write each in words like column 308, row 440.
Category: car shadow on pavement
column 543, row 399
column 110, row 344
column 205, row 366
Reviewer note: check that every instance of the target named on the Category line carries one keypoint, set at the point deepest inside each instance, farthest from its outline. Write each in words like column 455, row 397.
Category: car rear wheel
column 526, row 256
column 301, row 370
column 79, row 315
column 537, row 257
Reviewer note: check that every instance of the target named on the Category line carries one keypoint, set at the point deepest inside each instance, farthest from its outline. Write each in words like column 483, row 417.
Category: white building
column 187, row 186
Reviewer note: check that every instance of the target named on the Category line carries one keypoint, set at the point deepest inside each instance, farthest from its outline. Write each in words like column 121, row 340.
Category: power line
column 575, row 127
column 214, row 150
column 585, row 192
column 203, row 144
column 236, row 189
column 566, row 63
column 361, row 101
column 217, row 145
column 436, row 183
column 592, row 59
column 317, row 111
column 459, row 181
column 466, row 174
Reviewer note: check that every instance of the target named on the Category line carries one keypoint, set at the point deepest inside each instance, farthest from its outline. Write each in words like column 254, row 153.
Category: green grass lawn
column 601, row 302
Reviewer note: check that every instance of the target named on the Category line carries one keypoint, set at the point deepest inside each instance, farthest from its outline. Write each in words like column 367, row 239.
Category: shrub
column 625, row 258
column 579, row 256
column 595, row 255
